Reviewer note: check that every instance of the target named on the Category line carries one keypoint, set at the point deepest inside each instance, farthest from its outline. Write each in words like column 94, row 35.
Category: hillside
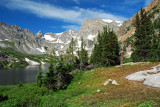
column 128, row 25
column 83, row 91
column 23, row 40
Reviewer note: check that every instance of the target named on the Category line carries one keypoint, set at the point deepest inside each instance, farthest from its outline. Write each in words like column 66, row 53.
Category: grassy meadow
column 83, row 91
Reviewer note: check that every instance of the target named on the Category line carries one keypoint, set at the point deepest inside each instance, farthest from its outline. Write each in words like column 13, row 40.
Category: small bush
column 20, row 84
column 3, row 98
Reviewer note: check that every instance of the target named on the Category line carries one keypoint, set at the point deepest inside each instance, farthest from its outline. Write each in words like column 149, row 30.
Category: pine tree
column 71, row 50
column 158, row 44
column 115, row 57
column 144, row 34
column 83, row 55
column 106, row 50
column 50, row 77
column 39, row 77
column 63, row 77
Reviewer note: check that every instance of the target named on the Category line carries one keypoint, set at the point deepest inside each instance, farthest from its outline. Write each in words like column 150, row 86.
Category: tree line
column 59, row 75
column 146, row 44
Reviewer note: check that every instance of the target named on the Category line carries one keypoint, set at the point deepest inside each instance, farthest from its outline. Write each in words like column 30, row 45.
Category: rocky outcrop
column 88, row 31
column 20, row 39
column 150, row 77
column 128, row 26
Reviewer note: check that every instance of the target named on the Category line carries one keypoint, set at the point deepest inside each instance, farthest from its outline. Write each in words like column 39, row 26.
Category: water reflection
column 12, row 76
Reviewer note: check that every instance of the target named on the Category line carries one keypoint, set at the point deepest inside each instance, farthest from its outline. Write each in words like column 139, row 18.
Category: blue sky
column 60, row 15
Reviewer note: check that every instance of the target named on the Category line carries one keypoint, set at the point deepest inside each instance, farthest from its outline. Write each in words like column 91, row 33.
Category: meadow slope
column 83, row 90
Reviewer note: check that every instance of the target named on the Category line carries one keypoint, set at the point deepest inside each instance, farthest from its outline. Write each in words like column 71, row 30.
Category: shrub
column 3, row 98
column 20, row 84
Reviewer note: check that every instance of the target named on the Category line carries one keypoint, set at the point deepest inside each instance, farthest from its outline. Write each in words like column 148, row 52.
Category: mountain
column 20, row 39
column 90, row 28
column 25, row 41
column 127, row 29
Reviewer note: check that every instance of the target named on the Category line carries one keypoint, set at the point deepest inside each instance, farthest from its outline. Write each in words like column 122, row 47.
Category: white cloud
column 45, row 10
column 147, row 2
column 76, row 1
column 131, row 2
column 73, row 27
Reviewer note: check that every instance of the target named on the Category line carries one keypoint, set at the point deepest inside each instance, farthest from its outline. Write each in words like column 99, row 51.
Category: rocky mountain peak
column 127, row 27
column 39, row 34
column 152, row 4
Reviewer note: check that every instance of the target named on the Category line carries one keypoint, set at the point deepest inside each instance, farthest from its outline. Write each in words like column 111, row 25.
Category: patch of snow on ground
column 74, row 53
column 107, row 20
column 29, row 46
column 79, row 43
column 1, row 40
column 62, row 47
column 41, row 50
column 119, row 22
column 57, row 53
column 91, row 37
column 59, row 33
column 150, row 77
column 49, row 38
column 31, row 62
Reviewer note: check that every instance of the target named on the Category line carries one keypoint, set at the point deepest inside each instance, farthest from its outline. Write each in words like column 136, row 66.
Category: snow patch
column 59, row 33
column 119, row 22
column 79, row 43
column 107, row 20
column 42, row 49
column 49, row 37
column 31, row 62
column 57, row 53
column 91, row 37
column 29, row 46
column 74, row 53
column 62, row 47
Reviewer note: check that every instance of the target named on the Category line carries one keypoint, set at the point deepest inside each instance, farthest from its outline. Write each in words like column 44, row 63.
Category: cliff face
column 19, row 39
column 128, row 26
column 127, row 29
column 25, row 41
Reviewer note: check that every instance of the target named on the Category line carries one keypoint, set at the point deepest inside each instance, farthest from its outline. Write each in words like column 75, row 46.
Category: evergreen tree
column 144, row 34
column 94, row 58
column 106, row 50
column 63, row 77
column 158, row 44
column 71, row 50
column 83, row 56
column 50, row 77
column 115, row 56
column 39, row 77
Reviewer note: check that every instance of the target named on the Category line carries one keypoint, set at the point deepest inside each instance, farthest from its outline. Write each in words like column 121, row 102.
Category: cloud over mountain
column 46, row 10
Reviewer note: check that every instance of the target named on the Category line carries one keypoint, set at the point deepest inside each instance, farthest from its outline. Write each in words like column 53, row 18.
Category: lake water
column 12, row 76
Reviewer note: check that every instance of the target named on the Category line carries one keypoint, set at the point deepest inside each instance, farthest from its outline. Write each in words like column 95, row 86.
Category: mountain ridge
column 27, row 42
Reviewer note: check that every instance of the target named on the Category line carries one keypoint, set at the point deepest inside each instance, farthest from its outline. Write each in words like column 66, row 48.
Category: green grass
column 11, row 44
column 20, row 56
column 82, row 91
column 11, row 52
